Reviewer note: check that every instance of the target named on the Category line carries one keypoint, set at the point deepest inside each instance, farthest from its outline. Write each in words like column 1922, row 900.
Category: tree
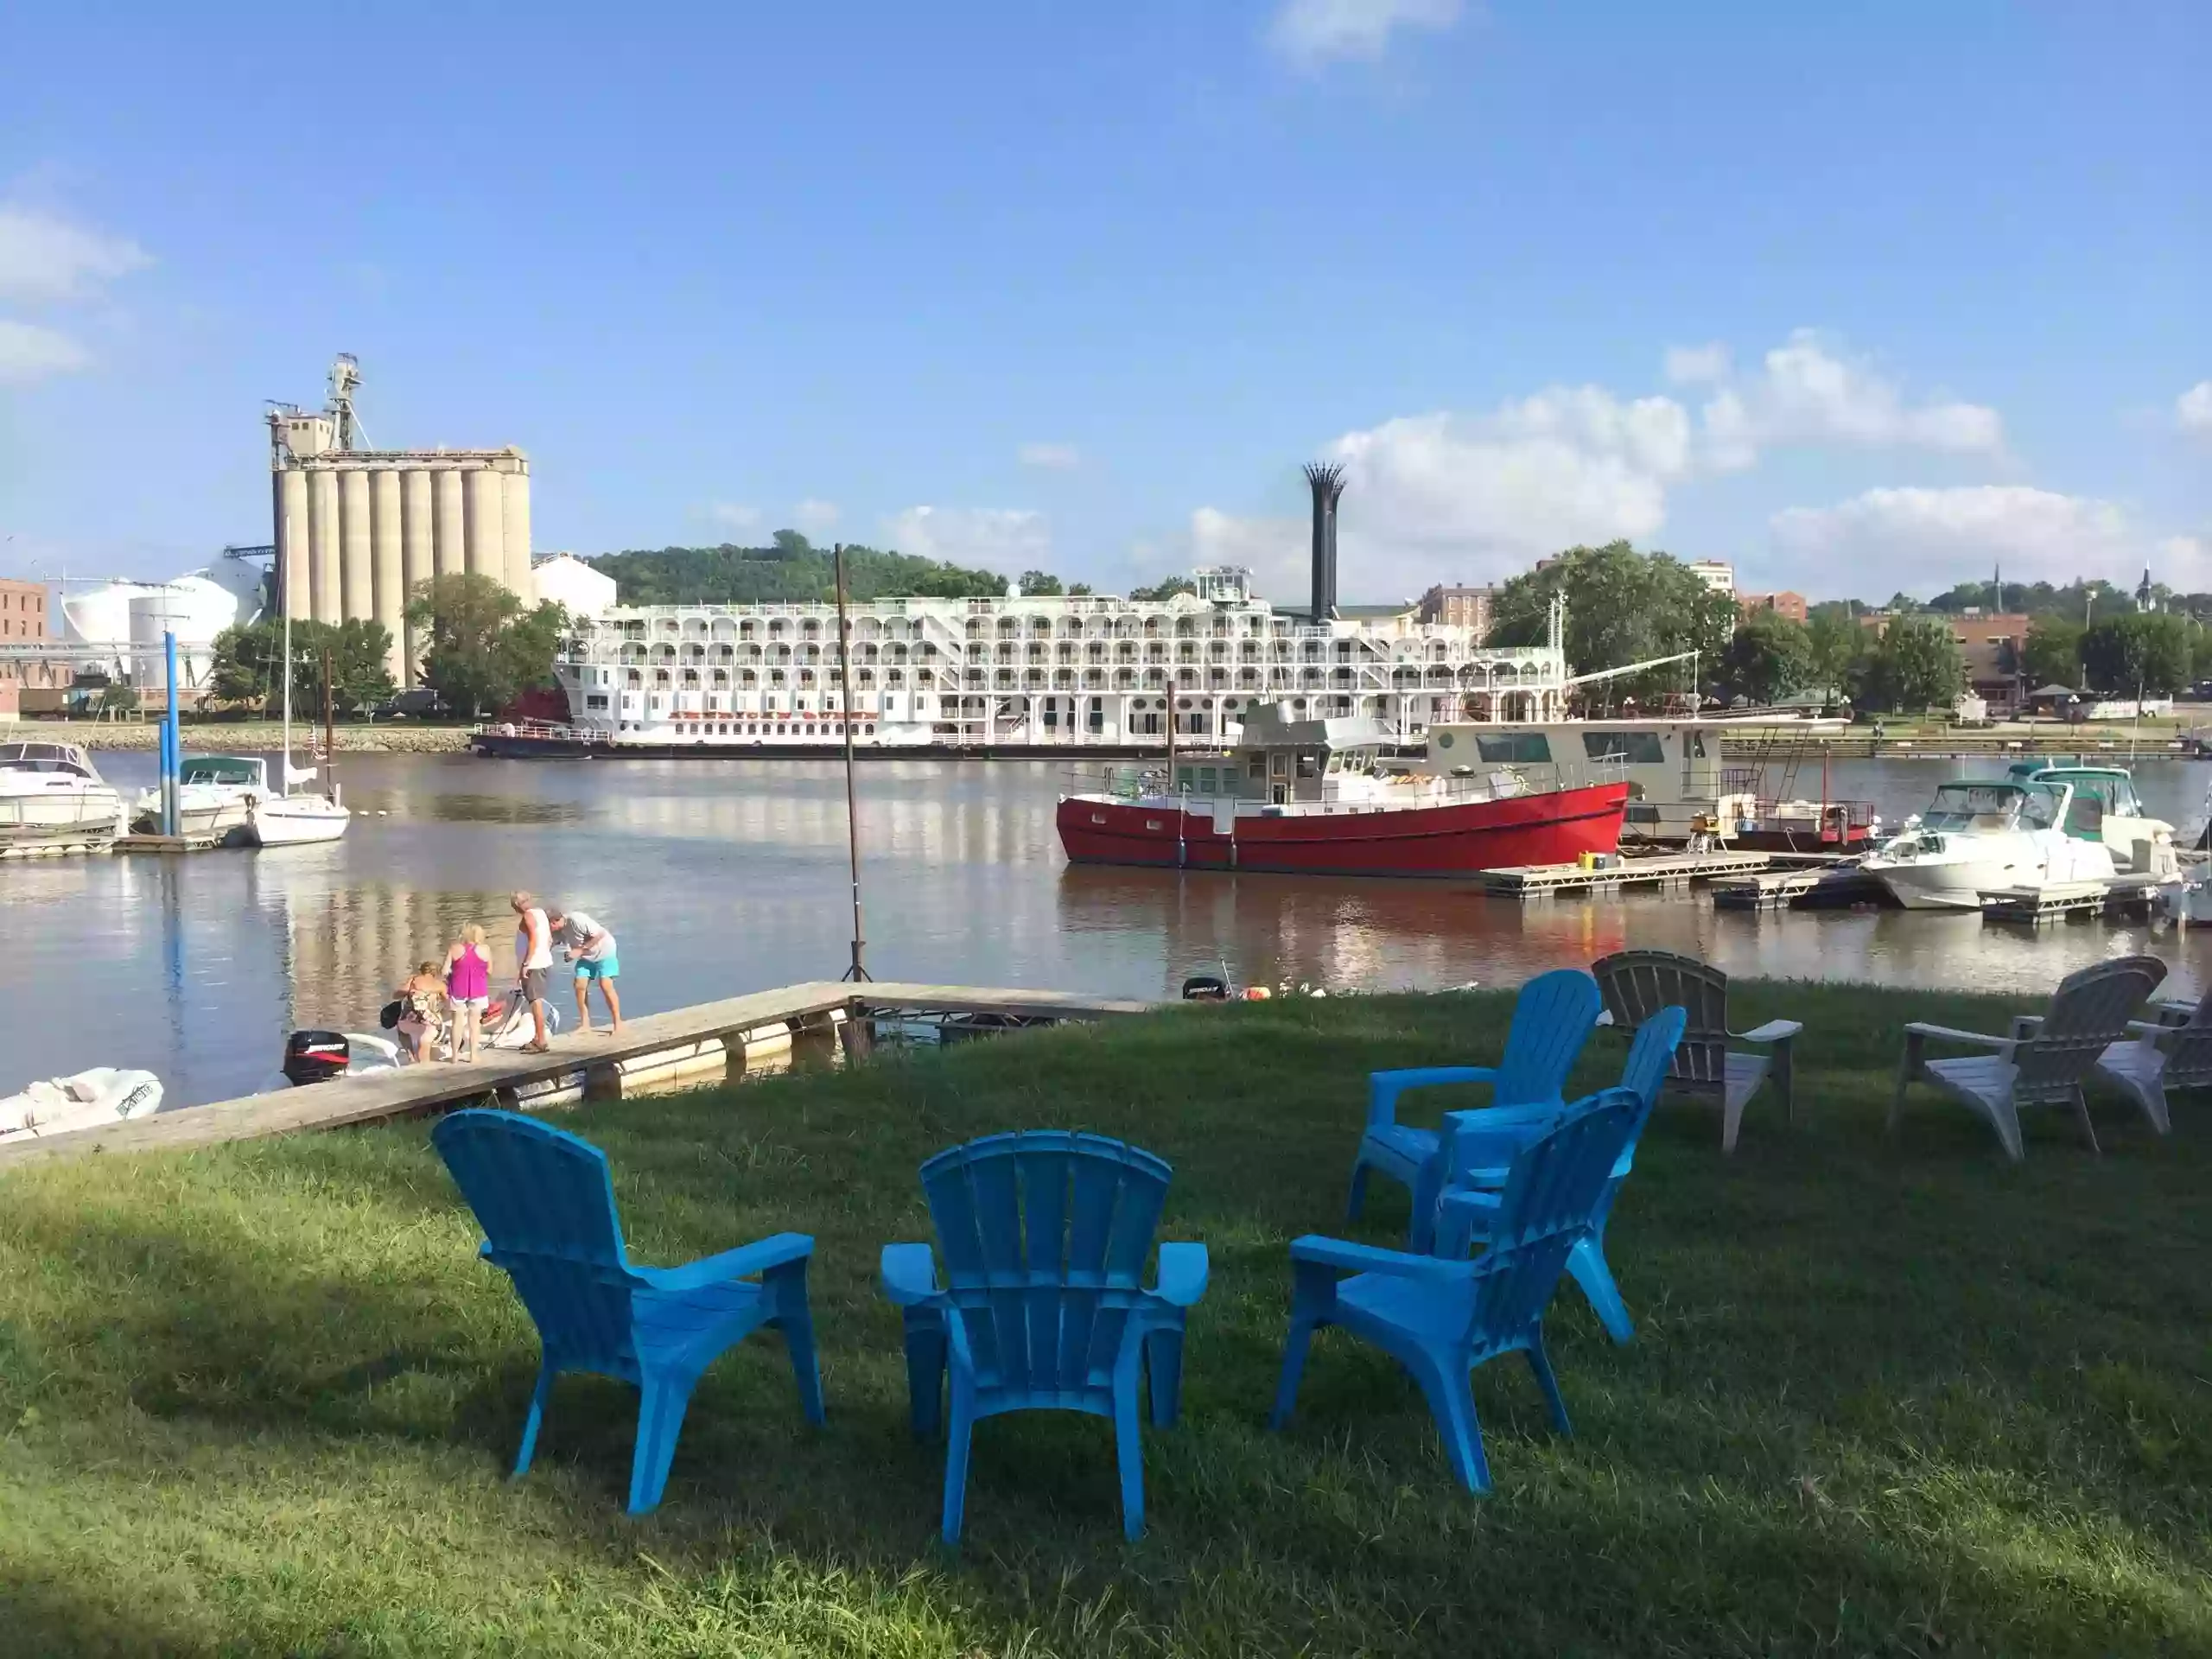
column 1078, row 589
column 1622, row 606
column 2144, row 653
column 1039, row 584
column 245, row 668
column 1769, row 658
column 2054, row 652
column 790, row 570
column 1916, row 666
column 239, row 671
column 1160, row 591
column 480, row 648
column 1834, row 645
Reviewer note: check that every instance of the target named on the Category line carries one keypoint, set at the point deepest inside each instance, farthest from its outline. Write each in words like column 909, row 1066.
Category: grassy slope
column 261, row 1399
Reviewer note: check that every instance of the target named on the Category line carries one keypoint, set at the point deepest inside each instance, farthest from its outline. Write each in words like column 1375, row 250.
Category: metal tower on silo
column 357, row 528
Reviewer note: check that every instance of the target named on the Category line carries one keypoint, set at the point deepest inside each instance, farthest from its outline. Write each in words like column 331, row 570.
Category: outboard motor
column 1205, row 988
column 316, row 1056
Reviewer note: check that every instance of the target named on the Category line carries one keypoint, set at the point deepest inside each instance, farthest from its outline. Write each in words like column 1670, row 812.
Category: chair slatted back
column 1045, row 1234
column 2089, row 1012
column 1636, row 984
column 1549, row 1201
column 1552, row 1017
column 546, row 1204
column 2189, row 1049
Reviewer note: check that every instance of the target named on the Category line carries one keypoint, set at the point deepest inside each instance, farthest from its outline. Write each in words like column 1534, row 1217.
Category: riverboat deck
column 510, row 1074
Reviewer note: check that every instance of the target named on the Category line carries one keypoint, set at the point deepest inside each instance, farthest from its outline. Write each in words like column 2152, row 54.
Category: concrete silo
column 357, row 528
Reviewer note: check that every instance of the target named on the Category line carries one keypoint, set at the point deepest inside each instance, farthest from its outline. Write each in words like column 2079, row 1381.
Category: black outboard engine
column 316, row 1056
column 1205, row 988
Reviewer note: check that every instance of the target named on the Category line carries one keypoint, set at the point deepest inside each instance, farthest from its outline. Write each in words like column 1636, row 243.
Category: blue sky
column 1857, row 297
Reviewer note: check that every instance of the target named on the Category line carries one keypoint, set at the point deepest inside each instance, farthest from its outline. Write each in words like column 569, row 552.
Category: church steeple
column 2144, row 598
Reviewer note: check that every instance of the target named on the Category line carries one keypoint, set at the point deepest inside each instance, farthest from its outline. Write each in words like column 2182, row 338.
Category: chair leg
column 1429, row 1189
column 1586, row 1261
column 1541, row 1363
column 538, row 1396
column 2081, row 1113
column 1731, row 1116
column 662, row 1402
column 959, row 1434
column 2004, row 1118
column 1293, row 1368
column 1356, row 1202
column 1163, row 1358
column 806, row 1365
column 2151, row 1097
column 924, row 1377
column 1451, row 1402
column 1128, row 1453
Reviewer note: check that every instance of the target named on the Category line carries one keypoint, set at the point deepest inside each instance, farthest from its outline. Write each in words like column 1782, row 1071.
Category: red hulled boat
column 1315, row 796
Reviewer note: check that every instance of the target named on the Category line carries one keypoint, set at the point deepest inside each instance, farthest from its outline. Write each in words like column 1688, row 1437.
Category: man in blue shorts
column 592, row 948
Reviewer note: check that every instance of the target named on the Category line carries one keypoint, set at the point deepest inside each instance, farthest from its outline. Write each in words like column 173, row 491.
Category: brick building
column 23, row 621
column 1785, row 603
column 1459, row 608
column 1993, row 644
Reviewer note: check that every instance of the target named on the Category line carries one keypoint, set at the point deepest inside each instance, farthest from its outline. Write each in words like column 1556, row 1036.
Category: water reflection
column 725, row 877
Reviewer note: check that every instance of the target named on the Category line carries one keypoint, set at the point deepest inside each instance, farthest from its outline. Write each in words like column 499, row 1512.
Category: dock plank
column 420, row 1088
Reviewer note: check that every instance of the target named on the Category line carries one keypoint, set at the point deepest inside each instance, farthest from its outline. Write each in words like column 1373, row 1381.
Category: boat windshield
column 1969, row 807
column 42, row 757
column 220, row 769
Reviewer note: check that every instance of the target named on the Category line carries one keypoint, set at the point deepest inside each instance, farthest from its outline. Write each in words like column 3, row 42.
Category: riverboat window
column 1516, row 748
column 1279, row 765
column 594, row 702
column 1209, row 780
column 1308, row 764
column 1256, row 768
column 1631, row 748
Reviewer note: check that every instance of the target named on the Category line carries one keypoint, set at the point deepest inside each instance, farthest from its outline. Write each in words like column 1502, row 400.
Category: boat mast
column 284, row 603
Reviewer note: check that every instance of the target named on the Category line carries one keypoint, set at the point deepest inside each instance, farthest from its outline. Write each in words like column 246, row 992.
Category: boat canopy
column 2028, row 804
column 45, row 757
column 249, row 770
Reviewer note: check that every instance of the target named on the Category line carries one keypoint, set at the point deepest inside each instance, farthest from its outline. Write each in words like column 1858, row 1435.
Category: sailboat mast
column 284, row 602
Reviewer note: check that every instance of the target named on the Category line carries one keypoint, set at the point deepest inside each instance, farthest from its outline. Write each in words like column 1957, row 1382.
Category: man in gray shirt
column 592, row 948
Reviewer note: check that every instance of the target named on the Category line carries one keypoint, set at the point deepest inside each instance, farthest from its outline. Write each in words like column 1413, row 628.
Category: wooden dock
column 1662, row 870
column 201, row 843
column 513, row 1077
column 2122, row 896
column 1770, row 890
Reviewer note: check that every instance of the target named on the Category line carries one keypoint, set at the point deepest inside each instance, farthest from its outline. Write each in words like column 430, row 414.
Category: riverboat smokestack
column 1326, row 480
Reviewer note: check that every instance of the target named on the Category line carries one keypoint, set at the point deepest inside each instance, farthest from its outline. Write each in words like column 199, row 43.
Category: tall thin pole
column 857, row 971
column 171, row 743
column 283, row 593
column 329, row 733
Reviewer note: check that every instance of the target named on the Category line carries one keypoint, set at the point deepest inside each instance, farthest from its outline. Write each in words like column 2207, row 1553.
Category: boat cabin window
column 1631, row 748
column 1309, row 763
column 42, row 757
column 1988, row 806
column 2096, row 800
column 1279, row 765
column 1520, row 748
column 1256, row 768
column 220, row 772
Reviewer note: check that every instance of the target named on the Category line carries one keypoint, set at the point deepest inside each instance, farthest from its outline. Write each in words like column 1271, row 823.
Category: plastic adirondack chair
column 547, row 1208
column 1638, row 984
column 1470, row 1205
column 2046, row 1058
column 1552, row 1017
column 1439, row 1318
column 2173, row 1049
column 1045, row 1234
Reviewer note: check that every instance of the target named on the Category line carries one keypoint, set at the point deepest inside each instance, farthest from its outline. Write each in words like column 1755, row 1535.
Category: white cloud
column 1276, row 550
column 1056, row 457
column 729, row 515
column 29, row 353
column 1806, row 394
column 1697, row 365
column 1011, row 539
column 815, row 517
column 1922, row 541
column 2193, row 410
column 1311, row 31
column 44, row 259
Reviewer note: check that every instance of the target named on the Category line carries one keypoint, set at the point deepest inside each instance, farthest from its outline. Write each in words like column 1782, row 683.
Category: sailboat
column 289, row 819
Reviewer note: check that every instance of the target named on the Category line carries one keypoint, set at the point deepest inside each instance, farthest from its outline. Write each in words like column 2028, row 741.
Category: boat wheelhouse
column 1324, row 795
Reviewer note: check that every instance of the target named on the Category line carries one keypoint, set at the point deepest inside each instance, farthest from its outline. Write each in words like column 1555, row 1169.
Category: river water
column 721, row 877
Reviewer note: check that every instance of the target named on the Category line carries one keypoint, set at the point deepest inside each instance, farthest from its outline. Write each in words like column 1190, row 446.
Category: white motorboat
column 52, row 796
column 216, row 796
column 106, row 1094
column 292, row 818
column 1981, row 838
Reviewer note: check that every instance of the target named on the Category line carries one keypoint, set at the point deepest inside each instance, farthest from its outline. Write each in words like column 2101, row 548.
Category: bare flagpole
column 845, row 709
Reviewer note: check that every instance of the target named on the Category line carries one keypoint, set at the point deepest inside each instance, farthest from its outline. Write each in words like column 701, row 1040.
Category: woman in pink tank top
column 468, row 989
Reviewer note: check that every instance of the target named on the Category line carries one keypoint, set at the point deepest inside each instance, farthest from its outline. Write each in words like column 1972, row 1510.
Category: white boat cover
column 104, row 1095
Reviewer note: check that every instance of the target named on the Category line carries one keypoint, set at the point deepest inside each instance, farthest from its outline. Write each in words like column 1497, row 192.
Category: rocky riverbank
column 245, row 736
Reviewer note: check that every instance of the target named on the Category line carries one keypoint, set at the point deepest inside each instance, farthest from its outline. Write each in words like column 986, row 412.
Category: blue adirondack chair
column 1470, row 1203
column 1552, row 1017
column 547, row 1208
column 1440, row 1318
column 1045, row 1234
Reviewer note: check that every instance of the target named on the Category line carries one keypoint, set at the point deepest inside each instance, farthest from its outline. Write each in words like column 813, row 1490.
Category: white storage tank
column 569, row 581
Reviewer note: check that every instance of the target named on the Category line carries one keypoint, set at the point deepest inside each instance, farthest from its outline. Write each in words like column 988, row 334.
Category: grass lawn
column 1895, row 1398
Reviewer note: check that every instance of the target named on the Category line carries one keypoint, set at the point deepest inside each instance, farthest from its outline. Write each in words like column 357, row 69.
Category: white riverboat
column 1016, row 674
column 52, row 796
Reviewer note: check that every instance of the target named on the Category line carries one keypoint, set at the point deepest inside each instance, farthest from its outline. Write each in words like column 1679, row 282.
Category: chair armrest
column 1774, row 1030
column 910, row 1274
column 1321, row 1251
column 1479, row 1120
column 1952, row 1034
column 2023, row 1025
column 1183, row 1270
column 1470, row 1200
column 1605, row 1017
column 1463, row 1215
column 739, row 1263
column 2151, row 1028
column 2172, row 1014
column 1383, row 1088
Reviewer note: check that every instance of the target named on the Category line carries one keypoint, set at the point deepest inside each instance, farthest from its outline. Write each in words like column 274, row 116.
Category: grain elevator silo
column 356, row 528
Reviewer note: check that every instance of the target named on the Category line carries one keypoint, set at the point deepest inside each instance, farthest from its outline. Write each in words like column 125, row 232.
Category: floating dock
column 1840, row 887
column 1665, row 871
column 2123, row 896
column 200, row 844
column 699, row 1044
